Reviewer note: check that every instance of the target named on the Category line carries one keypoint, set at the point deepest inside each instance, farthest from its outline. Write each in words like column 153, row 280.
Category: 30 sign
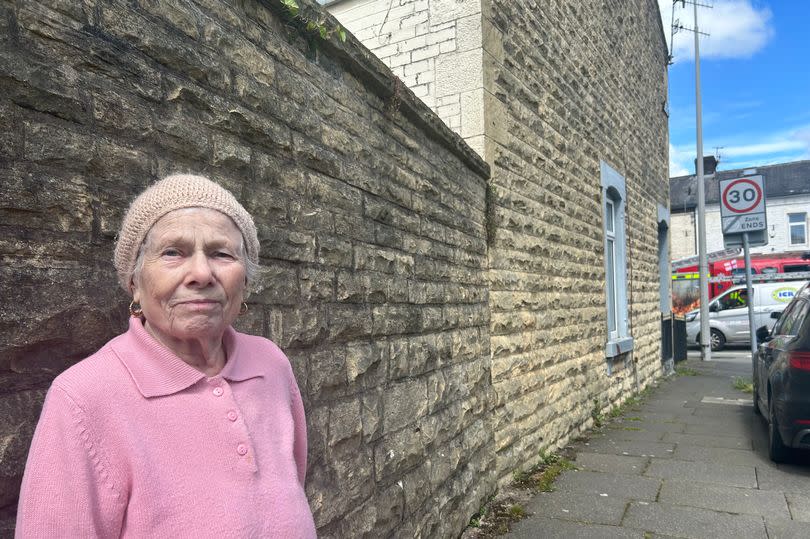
column 742, row 205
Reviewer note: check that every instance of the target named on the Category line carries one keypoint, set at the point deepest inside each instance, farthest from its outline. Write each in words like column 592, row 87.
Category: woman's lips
column 199, row 304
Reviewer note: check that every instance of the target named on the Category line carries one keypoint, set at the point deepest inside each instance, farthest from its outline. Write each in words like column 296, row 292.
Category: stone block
column 344, row 421
column 459, row 72
column 398, row 452
column 348, row 322
column 316, row 285
column 404, row 403
column 448, row 10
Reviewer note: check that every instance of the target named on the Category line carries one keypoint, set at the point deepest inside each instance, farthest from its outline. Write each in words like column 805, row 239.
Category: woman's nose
column 200, row 272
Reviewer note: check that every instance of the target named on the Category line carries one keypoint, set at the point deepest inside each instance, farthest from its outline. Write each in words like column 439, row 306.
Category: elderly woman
column 180, row 427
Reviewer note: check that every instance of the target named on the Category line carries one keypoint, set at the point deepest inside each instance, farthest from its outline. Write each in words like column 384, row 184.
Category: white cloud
column 736, row 28
column 769, row 148
column 764, row 148
column 679, row 158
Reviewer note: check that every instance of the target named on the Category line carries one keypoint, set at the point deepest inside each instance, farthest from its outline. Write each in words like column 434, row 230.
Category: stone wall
column 371, row 216
column 569, row 84
column 565, row 85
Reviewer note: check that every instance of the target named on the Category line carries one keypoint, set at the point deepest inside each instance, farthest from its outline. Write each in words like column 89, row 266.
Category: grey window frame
column 614, row 192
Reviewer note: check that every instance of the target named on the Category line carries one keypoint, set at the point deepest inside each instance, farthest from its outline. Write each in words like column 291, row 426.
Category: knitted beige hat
column 172, row 193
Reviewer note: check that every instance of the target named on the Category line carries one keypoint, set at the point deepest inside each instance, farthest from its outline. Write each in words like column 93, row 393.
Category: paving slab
column 718, row 454
column 799, row 505
column 705, row 440
column 565, row 529
column 787, row 529
column 784, row 478
column 619, row 464
column 730, row 475
column 609, row 485
column 630, row 432
column 691, row 522
column 629, row 447
column 718, row 428
column 578, row 506
column 748, row 501
column 651, row 426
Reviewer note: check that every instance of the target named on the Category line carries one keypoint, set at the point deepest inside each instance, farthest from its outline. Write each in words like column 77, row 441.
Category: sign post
column 742, row 212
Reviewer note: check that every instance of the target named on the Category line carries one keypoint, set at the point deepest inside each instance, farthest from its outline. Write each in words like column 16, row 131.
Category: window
column 610, row 267
column 733, row 300
column 797, row 228
column 614, row 198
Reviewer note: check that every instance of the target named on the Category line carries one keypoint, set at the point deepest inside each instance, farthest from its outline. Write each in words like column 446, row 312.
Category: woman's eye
column 170, row 252
column 223, row 254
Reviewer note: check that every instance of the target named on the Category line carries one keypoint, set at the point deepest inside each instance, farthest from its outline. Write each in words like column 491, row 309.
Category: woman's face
column 192, row 280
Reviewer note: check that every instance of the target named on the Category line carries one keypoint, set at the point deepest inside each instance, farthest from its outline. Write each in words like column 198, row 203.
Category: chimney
column 709, row 165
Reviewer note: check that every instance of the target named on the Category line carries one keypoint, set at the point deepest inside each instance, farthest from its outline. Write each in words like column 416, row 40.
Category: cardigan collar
column 157, row 371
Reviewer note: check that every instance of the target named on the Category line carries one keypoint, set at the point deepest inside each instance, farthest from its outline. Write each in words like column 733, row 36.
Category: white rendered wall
column 435, row 47
column 684, row 228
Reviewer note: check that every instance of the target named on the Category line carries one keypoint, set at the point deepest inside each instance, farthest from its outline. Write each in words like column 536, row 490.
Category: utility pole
column 703, row 264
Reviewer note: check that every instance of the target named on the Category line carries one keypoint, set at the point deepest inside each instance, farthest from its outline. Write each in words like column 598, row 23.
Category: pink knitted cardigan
column 134, row 442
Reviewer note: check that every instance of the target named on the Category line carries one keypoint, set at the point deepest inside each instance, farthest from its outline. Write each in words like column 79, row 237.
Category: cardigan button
column 218, row 391
column 232, row 415
column 242, row 449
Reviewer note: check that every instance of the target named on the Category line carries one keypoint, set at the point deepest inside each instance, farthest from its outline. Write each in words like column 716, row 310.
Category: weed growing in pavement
column 746, row 385
column 497, row 515
column 517, row 512
column 596, row 414
column 686, row 371
column 541, row 476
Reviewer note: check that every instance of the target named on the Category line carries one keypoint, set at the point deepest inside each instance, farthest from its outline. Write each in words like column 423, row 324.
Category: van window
column 733, row 300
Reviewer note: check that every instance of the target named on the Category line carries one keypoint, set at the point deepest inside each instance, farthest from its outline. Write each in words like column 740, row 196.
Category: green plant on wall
column 314, row 21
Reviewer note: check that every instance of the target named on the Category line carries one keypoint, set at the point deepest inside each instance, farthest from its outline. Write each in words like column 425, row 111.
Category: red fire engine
column 726, row 270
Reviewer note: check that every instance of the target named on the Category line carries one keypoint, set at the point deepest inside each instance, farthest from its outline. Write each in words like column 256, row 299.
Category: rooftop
column 781, row 180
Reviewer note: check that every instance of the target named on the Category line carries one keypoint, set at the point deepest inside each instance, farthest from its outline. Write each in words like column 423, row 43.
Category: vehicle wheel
column 757, row 411
column 777, row 450
column 717, row 340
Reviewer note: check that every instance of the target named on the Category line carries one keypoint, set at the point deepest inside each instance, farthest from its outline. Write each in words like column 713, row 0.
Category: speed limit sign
column 742, row 205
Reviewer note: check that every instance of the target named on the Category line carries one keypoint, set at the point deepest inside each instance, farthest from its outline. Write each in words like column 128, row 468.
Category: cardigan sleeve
column 300, row 426
column 68, row 489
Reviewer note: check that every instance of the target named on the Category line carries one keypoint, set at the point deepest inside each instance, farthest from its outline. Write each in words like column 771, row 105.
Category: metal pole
column 703, row 265
column 750, row 290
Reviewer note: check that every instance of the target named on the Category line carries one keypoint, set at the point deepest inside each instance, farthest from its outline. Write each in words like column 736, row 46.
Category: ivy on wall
column 314, row 21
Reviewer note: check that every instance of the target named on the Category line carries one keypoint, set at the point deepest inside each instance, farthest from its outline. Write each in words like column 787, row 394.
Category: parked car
column 782, row 378
column 728, row 312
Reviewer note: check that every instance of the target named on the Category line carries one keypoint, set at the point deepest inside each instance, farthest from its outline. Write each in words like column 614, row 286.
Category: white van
column 728, row 312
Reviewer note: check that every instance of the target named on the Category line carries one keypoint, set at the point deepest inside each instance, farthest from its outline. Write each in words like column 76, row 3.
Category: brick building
column 566, row 102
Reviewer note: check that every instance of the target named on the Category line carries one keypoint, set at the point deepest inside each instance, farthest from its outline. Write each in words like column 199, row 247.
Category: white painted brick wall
column 421, row 40
column 684, row 228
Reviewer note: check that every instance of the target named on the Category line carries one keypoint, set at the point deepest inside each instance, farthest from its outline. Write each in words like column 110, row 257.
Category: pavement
column 690, row 461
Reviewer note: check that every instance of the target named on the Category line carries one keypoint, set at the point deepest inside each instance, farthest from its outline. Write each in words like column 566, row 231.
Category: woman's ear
column 134, row 291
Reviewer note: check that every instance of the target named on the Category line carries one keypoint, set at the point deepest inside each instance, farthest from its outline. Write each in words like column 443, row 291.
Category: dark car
column 782, row 378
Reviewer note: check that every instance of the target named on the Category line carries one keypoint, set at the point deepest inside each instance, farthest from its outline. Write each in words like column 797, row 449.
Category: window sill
column 618, row 347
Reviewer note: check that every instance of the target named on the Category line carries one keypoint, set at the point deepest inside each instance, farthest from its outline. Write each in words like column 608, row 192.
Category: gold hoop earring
column 243, row 309
column 135, row 310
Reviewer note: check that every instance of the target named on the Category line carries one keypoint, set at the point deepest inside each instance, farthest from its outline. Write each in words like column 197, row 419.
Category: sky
column 755, row 83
